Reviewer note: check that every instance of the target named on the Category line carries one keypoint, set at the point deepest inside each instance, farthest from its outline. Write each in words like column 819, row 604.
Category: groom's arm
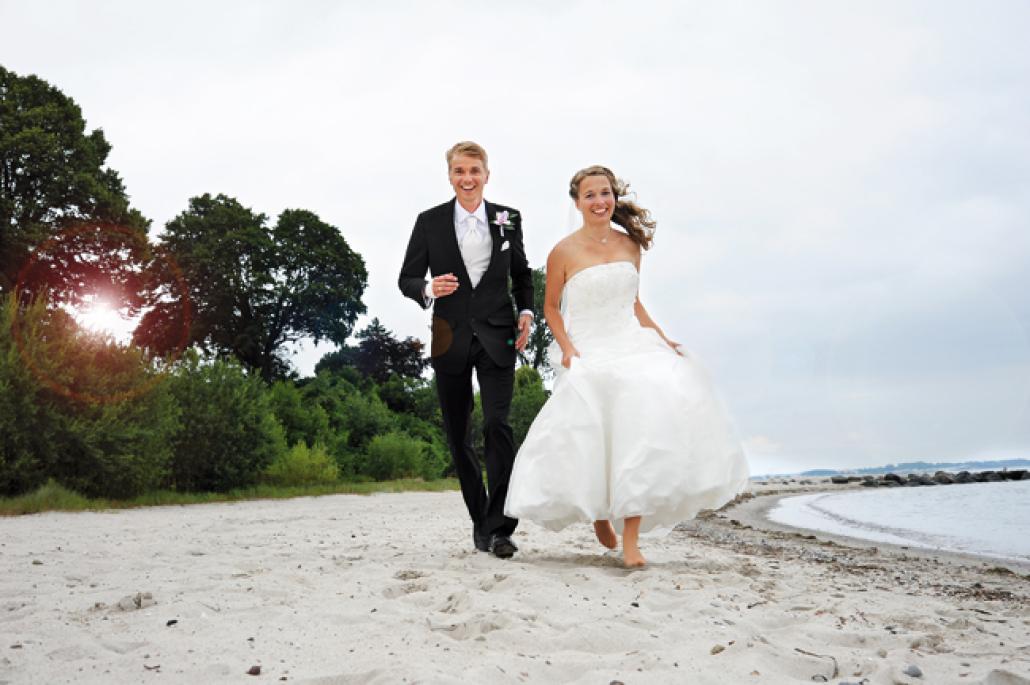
column 412, row 280
column 521, row 274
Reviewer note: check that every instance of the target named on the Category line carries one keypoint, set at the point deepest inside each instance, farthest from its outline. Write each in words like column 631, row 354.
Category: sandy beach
column 388, row 589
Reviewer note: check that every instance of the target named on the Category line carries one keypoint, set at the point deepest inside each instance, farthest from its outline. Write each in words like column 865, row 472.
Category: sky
column 842, row 189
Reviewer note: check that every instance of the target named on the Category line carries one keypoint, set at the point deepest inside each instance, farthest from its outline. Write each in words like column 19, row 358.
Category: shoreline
column 754, row 512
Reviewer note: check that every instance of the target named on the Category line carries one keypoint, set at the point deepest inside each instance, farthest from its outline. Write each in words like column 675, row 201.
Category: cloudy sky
column 842, row 189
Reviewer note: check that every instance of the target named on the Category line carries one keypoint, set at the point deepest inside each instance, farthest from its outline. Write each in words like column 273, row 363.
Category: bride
column 633, row 434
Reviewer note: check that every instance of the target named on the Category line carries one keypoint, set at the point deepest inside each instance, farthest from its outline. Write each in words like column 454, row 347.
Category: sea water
column 986, row 519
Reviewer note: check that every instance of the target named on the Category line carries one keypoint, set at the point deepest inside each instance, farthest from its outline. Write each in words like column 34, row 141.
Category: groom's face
column 468, row 175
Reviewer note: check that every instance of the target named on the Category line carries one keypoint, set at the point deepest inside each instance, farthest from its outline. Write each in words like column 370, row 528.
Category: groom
column 473, row 250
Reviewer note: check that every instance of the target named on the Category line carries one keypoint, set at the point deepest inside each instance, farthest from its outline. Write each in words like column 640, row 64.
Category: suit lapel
column 494, row 237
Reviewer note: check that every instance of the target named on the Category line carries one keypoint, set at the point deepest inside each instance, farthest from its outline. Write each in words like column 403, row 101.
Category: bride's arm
column 552, row 305
column 645, row 319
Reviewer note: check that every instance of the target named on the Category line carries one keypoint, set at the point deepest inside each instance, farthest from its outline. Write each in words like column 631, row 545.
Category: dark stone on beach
column 944, row 478
column 912, row 483
column 254, row 670
column 964, row 477
column 871, row 483
column 854, row 479
column 913, row 671
column 839, row 480
column 892, row 477
column 1019, row 474
column 891, row 483
column 991, row 477
column 926, row 480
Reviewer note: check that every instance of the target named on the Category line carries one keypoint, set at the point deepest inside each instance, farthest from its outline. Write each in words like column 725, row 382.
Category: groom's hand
column 443, row 285
column 525, row 323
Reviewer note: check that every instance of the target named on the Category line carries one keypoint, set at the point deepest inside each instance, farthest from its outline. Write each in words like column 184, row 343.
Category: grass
column 56, row 497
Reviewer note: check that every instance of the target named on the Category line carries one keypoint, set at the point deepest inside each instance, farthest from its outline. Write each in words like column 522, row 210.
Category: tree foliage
column 535, row 353
column 78, row 408
column 227, row 432
column 52, row 172
column 254, row 288
column 379, row 355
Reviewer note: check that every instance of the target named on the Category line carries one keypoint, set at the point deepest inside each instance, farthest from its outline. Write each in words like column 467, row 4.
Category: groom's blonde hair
column 467, row 147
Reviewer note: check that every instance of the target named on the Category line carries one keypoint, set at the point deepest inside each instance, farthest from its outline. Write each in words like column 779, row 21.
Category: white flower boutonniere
column 503, row 221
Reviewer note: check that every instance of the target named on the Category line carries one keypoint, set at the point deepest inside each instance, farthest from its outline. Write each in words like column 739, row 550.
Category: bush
column 27, row 423
column 78, row 408
column 302, row 466
column 301, row 419
column 393, row 455
column 228, row 434
column 529, row 396
column 356, row 415
column 436, row 460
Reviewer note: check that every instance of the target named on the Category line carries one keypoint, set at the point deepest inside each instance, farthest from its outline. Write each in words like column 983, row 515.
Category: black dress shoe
column 480, row 540
column 502, row 547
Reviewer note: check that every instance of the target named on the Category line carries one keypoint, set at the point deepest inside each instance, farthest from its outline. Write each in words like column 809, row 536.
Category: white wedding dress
column 631, row 429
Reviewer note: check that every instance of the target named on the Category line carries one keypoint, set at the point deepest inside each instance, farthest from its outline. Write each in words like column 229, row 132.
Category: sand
column 388, row 589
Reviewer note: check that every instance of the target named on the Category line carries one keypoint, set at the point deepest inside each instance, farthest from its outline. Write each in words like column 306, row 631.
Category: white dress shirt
column 474, row 240
column 476, row 253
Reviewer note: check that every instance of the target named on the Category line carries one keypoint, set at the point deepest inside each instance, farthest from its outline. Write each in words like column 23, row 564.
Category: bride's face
column 596, row 200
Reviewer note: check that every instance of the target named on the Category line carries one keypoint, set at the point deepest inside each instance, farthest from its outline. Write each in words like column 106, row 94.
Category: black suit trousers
column 496, row 384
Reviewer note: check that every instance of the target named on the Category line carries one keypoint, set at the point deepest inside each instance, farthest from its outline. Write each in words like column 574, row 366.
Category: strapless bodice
column 600, row 299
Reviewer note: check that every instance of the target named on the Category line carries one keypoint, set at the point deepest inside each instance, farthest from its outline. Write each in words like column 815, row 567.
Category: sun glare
column 101, row 317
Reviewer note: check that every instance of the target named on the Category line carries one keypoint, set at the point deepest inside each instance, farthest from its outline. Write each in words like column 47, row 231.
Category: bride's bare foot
column 606, row 534
column 631, row 556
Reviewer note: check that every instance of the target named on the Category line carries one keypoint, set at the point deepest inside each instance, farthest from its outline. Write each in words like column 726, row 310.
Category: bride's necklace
column 603, row 240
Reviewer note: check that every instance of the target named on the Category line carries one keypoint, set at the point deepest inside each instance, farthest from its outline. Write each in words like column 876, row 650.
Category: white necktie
column 475, row 250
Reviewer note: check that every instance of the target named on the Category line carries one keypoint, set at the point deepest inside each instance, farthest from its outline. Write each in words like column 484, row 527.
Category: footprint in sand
column 455, row 603
column 405, row 589
column 470, row 629
column 488, row 584
column 408, row 574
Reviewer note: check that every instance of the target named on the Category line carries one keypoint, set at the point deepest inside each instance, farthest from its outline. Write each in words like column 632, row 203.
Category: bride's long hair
column 635, row 219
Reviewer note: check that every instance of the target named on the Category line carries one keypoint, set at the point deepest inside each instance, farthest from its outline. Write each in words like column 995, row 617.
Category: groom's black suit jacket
column 484, row 312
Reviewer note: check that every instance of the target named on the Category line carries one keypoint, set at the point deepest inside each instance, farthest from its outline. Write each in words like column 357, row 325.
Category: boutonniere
column 503, row 221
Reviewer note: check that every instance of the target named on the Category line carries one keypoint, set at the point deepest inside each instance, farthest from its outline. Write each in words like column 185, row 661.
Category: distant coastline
column 905, row 467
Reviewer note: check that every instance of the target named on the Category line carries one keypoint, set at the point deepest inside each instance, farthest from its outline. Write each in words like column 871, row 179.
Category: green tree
column 535, row 353
column 52, row 172
column 379, row 355
column 255, row 288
